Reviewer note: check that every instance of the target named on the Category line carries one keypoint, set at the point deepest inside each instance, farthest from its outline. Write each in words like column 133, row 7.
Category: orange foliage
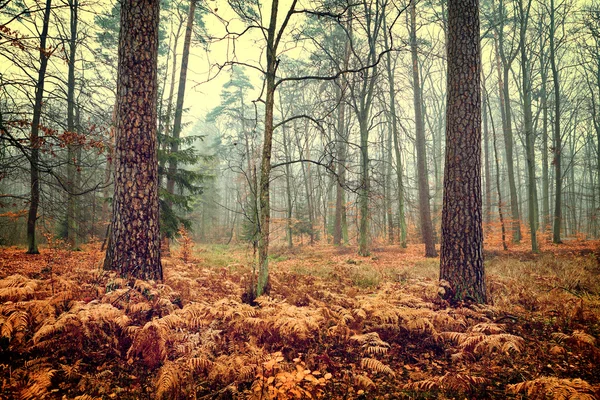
column 338, row 326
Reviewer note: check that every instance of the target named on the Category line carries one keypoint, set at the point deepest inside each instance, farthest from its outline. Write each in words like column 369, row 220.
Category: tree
column 134, row 244
column 528, row 124
column 172, row 170
column 71, row 221
column 461, row 260
column 35, row 127
column 423, row 181
column 557, row 142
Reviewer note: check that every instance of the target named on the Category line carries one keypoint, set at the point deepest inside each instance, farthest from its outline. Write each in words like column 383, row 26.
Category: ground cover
column 336, row 326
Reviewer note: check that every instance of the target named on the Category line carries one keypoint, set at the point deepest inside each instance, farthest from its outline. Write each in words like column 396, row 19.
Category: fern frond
column 17, row 288
column 577, row 337
column 376, row 366
column 363, row 382
column 452, row 382
column 199, row 364
column 169, row 381
column 15, row 325
column 39, row 388
column 488, row 328
column 150, row 344
column 554, row 388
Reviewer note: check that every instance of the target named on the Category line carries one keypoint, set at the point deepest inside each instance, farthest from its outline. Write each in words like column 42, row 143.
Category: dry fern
column 376, row 366
column 460, row 383
column 17, row 288
column 578, row 338
column 554, row 388
column 371, row 343
column 169, row 381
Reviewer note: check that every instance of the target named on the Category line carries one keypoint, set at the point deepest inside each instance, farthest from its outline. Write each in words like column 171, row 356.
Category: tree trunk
column 557, row 135
column 388, row 197
column 262, row 282
column 528, row 123
column 170, row 101
column 179, row 103
column 288, row 189
column 461, row 261
column 340, row 193
column 497, row 161
column 35, row 142
column 397, row 150
column 544, row 105
column 134, row 249
column 423, row 180
column 71, row 221
column 363, row 190
column 488, row 182
column 340, row 228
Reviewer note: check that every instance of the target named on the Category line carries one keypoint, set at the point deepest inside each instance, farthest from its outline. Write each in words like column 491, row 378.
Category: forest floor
column 336, row 326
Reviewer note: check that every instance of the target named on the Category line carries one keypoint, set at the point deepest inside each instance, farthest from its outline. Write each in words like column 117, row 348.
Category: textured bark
column 423, row 180
column 35, row 127
column 461, row 261
column 134, row 245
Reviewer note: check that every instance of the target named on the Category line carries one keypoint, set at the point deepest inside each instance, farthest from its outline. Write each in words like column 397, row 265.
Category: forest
column 299, row 199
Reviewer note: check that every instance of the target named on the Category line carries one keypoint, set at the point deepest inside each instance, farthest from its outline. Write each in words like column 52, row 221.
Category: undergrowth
column 337, row 326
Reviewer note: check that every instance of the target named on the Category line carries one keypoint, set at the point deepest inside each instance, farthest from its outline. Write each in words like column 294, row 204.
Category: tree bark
column 179, row 103
column 557, row 135
column 423, row 180
column 71, row 221
column 134, row 249
column 262, row 282
column 35, row 142
column 528, row 124
column 461, row 261
column 397, row 150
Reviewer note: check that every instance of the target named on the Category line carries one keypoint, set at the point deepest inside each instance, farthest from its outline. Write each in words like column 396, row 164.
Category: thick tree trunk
column 423, row 180
column 35, row 142
column 461, row 261
column 134, row 248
